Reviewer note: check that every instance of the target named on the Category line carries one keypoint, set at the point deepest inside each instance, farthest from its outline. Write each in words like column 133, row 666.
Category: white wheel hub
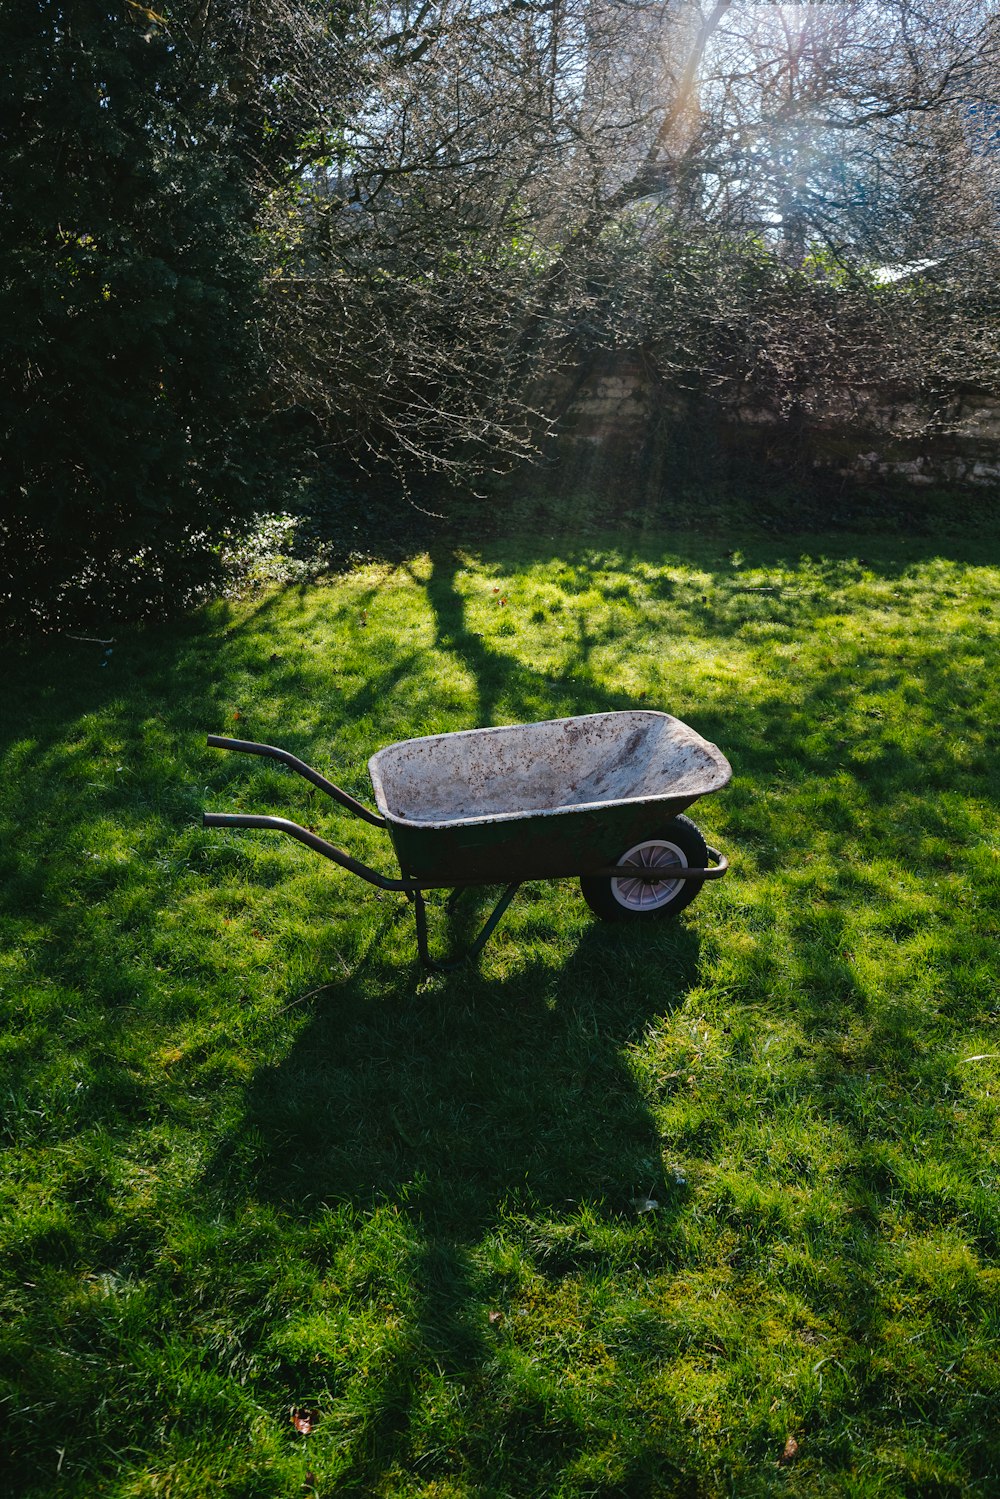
column 651, row 888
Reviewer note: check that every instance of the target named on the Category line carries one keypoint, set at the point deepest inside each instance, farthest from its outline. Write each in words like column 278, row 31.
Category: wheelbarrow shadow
column 481, row 1091
column 469, row 1108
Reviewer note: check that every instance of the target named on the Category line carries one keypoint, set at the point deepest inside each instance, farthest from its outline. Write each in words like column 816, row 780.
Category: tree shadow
column 504, row 684
column 477, row 1090
column 465, row 1105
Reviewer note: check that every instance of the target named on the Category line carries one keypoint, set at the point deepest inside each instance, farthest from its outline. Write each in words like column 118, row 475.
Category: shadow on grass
column 468, row 1101
column 472, row 1093
column 472, row 1110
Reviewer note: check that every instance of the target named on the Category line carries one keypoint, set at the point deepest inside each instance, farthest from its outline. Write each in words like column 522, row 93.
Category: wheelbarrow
column 598, row 797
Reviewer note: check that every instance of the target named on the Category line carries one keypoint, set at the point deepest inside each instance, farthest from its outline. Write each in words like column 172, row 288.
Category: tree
column 129, row 270
column 731, row 187
column 385, row 223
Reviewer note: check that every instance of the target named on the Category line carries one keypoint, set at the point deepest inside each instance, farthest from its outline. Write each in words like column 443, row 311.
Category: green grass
column 702, row 1209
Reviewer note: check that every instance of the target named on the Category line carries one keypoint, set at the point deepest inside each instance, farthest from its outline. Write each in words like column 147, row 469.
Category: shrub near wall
column 127, row 294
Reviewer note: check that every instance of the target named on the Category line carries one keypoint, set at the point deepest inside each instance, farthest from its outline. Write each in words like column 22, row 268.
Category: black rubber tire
column 685, row 836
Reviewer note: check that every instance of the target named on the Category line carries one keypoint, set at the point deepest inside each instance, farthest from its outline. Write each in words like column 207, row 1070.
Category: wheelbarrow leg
column 420, row 911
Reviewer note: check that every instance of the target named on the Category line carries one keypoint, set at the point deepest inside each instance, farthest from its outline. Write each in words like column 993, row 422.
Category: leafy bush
column 128, row 286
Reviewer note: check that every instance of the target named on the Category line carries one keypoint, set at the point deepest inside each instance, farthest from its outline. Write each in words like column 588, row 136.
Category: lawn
column 708, row 1207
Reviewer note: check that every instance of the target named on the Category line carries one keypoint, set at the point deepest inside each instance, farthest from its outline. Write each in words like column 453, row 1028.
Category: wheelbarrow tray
column 538, row 801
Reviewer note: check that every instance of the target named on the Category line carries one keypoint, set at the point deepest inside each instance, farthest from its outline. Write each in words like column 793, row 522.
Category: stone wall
column 617, row 404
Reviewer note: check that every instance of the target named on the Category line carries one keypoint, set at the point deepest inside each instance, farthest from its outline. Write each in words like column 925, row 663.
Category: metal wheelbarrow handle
column 311, row 840
column 271, row 751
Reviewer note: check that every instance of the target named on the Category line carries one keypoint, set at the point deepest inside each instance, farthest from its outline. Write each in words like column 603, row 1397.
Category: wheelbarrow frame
column 479, row 851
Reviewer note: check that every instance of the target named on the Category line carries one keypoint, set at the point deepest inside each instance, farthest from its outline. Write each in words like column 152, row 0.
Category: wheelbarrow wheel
column 637, row 897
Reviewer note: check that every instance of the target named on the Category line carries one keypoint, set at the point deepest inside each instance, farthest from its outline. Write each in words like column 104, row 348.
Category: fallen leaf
column 304, row 1420
column 496, row 1318
column 790, row 1452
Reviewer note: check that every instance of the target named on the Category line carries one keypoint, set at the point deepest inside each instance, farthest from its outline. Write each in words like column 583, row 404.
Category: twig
column 313, row 992
column 90, row 639
column 302, row 998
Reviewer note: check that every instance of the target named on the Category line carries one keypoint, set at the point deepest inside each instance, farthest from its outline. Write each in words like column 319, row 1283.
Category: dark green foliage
column 127, row 298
